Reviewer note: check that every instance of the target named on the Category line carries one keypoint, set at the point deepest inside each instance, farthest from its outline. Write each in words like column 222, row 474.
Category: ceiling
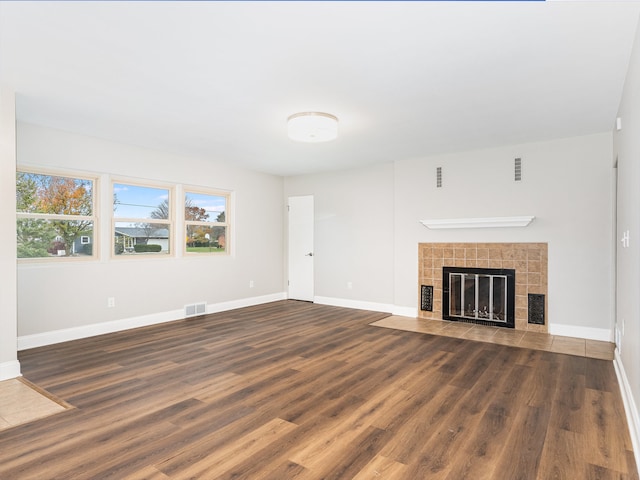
column 405, row 79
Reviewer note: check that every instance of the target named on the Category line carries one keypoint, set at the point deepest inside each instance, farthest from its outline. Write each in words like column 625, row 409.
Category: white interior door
column 301, row 248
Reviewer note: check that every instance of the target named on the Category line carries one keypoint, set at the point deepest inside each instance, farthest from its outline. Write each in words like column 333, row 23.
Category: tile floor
column 22, row 402
column 503, row 336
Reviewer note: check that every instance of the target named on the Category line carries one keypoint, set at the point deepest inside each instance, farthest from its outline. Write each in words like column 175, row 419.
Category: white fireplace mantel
column 478, row 222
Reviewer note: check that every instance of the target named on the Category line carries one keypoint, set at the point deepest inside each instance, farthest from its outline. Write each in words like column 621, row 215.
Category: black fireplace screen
column 479, row 295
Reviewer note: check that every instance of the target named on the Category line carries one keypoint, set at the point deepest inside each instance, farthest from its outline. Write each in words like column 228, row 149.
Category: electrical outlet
column 111, row 302
column 251, row 284
column 349, row 285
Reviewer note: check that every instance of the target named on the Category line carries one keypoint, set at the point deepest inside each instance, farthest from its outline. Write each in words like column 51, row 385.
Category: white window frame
column 226, row 224
column 170, row 222
column 94, row 218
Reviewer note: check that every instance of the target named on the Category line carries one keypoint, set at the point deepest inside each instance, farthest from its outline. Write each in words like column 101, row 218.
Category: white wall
column 368, row 230
column 353, row 234
column 74, row 295
column 9, row 365
column 627, row 151
column 566, row 185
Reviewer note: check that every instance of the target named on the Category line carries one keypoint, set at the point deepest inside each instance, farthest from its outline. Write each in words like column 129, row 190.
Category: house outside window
column 142, row 220
column 55, row 216
column 206, row 222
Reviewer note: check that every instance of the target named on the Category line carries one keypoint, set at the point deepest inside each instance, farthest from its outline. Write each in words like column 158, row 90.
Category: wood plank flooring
column 293, row 390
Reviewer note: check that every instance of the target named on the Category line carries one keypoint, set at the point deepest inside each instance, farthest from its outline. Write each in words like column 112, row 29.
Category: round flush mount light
column 312, row 127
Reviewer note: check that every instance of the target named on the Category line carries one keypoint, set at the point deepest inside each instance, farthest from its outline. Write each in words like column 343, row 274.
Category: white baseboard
column 10, row 370
column 245, row 302
column 373, row 306
column 405, row 311
column 589, row 333
column 357, row 304
column 630, row 408
column 85, row 331
column 75, row 333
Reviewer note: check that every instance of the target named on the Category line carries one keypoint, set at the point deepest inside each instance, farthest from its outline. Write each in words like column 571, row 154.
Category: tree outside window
column 55, row 216
column 206, row 226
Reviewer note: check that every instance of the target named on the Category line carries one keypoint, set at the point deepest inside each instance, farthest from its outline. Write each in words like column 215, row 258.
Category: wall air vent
column 426, row 298
column 536, row 309
column 517, row 163
column 195, row 309
column 439, row 177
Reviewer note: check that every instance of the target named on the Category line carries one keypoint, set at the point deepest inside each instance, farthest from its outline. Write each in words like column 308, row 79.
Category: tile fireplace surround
column 528, row 259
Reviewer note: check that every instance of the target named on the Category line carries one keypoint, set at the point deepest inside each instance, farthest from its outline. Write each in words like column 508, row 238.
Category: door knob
column 310, row 254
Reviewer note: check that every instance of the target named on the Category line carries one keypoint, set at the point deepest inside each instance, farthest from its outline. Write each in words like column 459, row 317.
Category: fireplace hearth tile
column 507, row 337
column 502, row 336
column 481, row 333
column 456, row 328
column 598, row 349
column 570, row 346
column 431, row 326
column 409, row 324
column 538, row 341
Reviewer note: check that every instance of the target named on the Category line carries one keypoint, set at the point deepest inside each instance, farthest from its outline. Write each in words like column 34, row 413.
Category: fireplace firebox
column 484, row 296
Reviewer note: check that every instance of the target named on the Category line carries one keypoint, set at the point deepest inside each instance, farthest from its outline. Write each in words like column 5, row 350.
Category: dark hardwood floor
column 292, row 390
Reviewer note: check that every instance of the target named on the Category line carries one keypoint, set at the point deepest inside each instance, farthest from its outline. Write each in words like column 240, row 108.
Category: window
column 206, row 225
column 142, row 220
column 55, row 216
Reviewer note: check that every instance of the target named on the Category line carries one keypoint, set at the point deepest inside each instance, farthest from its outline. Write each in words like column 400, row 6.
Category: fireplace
column 528, row 260
column 484, row 296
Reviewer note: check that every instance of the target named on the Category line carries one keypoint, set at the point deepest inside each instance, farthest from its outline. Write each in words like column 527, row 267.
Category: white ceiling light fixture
column 312, row 127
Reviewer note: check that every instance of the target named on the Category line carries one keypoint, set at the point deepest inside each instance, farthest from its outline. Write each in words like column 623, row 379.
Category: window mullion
column 55, row 216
